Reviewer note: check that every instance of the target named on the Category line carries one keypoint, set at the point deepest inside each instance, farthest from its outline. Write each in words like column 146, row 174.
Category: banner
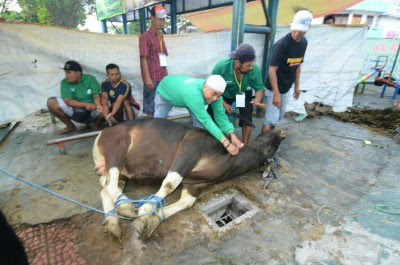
column 109, row 8
column 31, row 55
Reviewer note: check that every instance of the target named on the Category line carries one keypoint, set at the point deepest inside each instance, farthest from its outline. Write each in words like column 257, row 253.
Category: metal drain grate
column 227, row 210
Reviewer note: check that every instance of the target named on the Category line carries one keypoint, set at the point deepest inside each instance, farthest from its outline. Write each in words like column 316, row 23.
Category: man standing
column 195, row 94
column 153, row 58
column 80, row 100
column 118, row 92
column 242, row 75
column 284, row 69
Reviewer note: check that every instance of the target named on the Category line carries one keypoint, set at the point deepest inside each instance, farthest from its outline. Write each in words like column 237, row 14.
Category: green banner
column 109, row 8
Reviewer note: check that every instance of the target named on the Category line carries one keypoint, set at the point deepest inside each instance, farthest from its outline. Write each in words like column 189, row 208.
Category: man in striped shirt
column 153, row 58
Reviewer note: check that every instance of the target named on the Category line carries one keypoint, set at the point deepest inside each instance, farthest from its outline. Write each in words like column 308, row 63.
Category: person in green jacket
column 195, row 94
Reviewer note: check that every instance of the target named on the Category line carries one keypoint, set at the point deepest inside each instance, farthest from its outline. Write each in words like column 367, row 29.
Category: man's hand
column 296, row 93
column 90, row 106
column 258, row 104
column 149, row 84
column 236, row 141
column 99, row 108
column 277, row 100
column 232, row 149
column 109, row 116
column 228, row 108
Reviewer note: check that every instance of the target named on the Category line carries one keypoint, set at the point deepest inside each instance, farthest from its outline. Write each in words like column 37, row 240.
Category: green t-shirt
column 252, row 79
column 187, row 92
column 83, row 91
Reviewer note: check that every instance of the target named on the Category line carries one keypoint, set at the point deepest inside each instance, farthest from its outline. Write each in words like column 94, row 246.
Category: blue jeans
column 162, row 107
column 148, row 99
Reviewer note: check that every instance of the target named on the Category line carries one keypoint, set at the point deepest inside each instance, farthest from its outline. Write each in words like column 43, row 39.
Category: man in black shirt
column 284, row 69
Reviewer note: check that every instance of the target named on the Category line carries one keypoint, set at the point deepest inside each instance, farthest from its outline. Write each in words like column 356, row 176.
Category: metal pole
column 235, row 26
column 142, row 19
column 173, row 18
column 257, row 29
column 242, row 16
column 125, row 23
column 394, row 62
column 270, row 38
column 104, row 26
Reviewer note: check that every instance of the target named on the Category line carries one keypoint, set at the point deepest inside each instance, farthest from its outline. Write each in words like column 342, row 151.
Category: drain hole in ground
column 228, row 212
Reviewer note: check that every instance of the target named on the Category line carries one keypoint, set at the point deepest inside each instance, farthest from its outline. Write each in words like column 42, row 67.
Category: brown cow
column 170, row 152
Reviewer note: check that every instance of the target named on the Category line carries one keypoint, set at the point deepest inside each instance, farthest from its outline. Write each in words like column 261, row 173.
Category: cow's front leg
column 186, row 201
column 111, row 223
column 169, row 184
column 115, row 188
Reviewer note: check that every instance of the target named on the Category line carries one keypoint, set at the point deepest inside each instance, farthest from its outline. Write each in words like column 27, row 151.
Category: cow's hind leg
column 188, row 197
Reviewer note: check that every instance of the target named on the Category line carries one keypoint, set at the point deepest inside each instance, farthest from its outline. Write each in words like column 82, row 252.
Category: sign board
column 111, row 8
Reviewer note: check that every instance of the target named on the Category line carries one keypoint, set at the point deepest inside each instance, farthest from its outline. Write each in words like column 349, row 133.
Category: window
column 341, row 18
column 369, row 20
column 356, row 19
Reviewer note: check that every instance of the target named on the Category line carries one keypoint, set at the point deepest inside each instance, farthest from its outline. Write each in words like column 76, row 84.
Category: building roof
column 377, row 6
column 221, row 18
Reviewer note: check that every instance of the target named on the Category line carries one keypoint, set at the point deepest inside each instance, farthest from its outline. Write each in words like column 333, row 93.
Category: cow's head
column 269, row 142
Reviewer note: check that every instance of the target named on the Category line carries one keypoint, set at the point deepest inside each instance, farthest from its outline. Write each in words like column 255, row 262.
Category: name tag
column 240, row 100
column 163, row 59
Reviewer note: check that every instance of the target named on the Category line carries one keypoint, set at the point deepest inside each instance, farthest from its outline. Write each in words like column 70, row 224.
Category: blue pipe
column 142, row 19
column 104, row 26
column 173, row 17
column 257, row 29
column 125, row 23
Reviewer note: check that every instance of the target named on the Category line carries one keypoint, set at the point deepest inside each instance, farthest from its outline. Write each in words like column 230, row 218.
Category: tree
column 4, row 6
column 65, row 13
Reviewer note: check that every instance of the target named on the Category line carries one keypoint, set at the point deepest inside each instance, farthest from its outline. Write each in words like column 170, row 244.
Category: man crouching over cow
column 195, row 94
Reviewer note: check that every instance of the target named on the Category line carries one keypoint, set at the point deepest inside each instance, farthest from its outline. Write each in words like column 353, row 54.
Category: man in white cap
column 195, row 94
column 153, row 58
column 284, row 69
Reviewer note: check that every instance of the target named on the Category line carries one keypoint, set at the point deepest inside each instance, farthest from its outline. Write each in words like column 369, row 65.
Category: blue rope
column 152, row 199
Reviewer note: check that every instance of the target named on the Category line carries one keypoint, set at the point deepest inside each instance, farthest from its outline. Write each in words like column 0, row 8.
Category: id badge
column 163, row 59
column 240, row 100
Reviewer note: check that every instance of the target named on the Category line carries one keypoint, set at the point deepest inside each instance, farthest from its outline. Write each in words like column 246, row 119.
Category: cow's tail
column 98, row 158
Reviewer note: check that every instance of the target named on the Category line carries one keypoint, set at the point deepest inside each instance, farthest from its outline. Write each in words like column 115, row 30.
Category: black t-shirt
column 287, row 55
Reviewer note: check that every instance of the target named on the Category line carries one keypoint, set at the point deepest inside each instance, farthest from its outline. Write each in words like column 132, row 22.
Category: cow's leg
column 188, row 197
column 169, row 184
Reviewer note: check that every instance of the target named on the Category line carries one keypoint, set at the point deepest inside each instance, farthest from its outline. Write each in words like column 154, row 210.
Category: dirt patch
column 384, row 121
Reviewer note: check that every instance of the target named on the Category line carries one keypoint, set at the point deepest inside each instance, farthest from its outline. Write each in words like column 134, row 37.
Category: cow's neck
column 248, row 158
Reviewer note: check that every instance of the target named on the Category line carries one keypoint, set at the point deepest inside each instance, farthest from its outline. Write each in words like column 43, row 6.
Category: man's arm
column 145, row 66
column 297, row 83
column 273, row 79
column 116, row 106
column 104, row 102
column 79, row 104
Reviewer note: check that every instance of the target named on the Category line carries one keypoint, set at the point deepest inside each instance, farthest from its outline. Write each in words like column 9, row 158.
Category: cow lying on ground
column 170, row 152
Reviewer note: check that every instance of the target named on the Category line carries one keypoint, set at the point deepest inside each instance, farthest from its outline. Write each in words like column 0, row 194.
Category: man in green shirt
column 80, row 100
column 242, row 75
column 195, row 94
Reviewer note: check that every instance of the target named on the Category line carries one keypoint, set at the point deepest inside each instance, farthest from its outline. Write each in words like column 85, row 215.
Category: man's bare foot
column 66, row 130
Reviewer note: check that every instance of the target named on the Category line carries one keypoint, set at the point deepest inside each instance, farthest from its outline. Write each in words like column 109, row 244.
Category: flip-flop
column 300, row 117
column 65, row 130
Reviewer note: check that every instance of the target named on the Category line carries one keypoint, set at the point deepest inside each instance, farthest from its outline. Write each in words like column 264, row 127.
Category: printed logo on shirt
column 89, row 91
column 72, row 89
column 112, row 93
column 294, row 61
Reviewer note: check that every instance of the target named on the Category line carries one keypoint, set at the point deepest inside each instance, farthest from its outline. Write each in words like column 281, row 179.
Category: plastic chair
column 396, row 86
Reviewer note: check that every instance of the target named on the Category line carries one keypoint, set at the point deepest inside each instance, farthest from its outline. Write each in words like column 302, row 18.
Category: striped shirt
column 123, row 88
column 149, row 46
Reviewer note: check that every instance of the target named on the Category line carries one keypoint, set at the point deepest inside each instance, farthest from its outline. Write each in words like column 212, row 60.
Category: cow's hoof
column 113, row 228
column 127, row 210
column 152, row 222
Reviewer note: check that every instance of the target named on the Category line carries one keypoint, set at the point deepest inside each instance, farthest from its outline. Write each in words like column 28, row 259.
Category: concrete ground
column 321, row 211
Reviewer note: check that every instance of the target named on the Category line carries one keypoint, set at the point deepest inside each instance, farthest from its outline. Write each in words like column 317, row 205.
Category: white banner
column 32, row 54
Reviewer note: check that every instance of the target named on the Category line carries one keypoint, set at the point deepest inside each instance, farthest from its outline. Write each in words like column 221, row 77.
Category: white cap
column 158, row 11
column 216, row 82
column 302, row 21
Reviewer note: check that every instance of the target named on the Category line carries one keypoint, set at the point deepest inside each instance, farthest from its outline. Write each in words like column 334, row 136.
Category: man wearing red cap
column 153, row 58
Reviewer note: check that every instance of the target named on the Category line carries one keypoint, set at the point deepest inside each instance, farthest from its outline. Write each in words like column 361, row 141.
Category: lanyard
column 237, row 82
column 161, row 41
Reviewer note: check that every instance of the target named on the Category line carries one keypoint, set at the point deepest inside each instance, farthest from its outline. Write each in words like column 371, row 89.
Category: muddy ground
column 321, row 211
